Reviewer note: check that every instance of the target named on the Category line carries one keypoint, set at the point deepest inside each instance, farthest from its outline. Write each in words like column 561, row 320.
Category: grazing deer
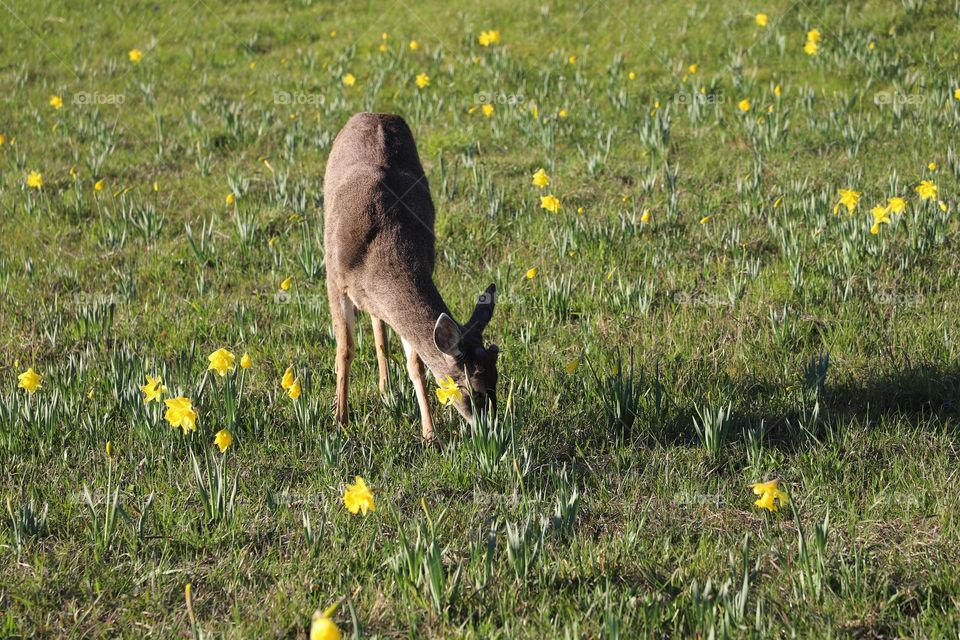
column 379, row 250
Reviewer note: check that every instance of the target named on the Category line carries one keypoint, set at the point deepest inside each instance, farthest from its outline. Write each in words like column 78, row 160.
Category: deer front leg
column 380, row 340
column 344, row 316
column 415, row 370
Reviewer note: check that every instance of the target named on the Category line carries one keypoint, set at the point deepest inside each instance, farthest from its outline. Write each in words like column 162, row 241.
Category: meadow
column 724, row 240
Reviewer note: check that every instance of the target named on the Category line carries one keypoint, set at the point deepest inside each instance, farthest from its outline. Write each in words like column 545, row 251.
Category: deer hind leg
column 344, row 317
column 380, row 339
column 415, row 370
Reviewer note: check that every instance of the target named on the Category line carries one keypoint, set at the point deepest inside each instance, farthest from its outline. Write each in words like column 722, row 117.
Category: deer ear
column 446, row 335
column 483, row 312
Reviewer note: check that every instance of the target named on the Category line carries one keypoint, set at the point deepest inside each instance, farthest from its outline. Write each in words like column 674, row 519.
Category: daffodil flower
column 153, row 389
column 540, row 178
column 358, row 498
column 221, row 361
column 927, row 190
column 448, row 391
column 223, row 440
column 29, row 380
column 180, row 413
column 849, row 199
column 550, row 202
column 771, row 497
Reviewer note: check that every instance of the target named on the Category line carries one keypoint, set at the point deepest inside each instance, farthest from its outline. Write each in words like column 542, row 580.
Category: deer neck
column 417, row 323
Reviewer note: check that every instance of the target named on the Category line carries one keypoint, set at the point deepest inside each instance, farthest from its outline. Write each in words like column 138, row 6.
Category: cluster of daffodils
column 849, row 199
column 548, row 202
column 181, row 414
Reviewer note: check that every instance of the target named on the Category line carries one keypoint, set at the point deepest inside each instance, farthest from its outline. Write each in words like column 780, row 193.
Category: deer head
column 471, row 364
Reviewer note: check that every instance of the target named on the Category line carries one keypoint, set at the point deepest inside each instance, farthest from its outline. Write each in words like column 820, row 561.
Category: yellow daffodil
column 771, row 497
column 223, row 440
column 572, row 59
column 849, row 199
column 706, row 219
column 448, row 391
column 349, row 80
column 99, row 185
column 810, row 48
column 230, row 199
column 540, row 178
column 180, row 413
column 632, row 75
column 645, row 216
column 245, row 361
column 294, row 391
column 761, row 19
column 487, row 110
column 562, row 114
column 35, row 180
column 3, row 139
column 814, row 35
column 777, row 91
column 322, row 627
column 358, row 498
column 744, row 105
column 693, row 68
column 531, row 273
column 30, row 380
column 135, row 55
column 153, row 389
column 414, row 45
column 896, row 205
column 56, row 102
column 550, row 202
column 423, row 80
column 221, row 361
column 287, row 380
column 488, row 38
column 927, row 190
column 956, row 94
column 881, row 215
column 285, row 285
column 932, row 166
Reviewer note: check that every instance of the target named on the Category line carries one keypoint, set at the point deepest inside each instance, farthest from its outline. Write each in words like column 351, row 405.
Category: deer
column 379, row 252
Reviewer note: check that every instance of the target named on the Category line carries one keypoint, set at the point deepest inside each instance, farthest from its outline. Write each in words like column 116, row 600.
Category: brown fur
column 379, row 252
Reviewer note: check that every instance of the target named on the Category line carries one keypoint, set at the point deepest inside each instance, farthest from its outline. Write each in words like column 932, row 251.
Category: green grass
column 611, row 501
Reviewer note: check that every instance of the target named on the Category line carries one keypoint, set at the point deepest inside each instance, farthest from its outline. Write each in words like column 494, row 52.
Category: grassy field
column 726, row 295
